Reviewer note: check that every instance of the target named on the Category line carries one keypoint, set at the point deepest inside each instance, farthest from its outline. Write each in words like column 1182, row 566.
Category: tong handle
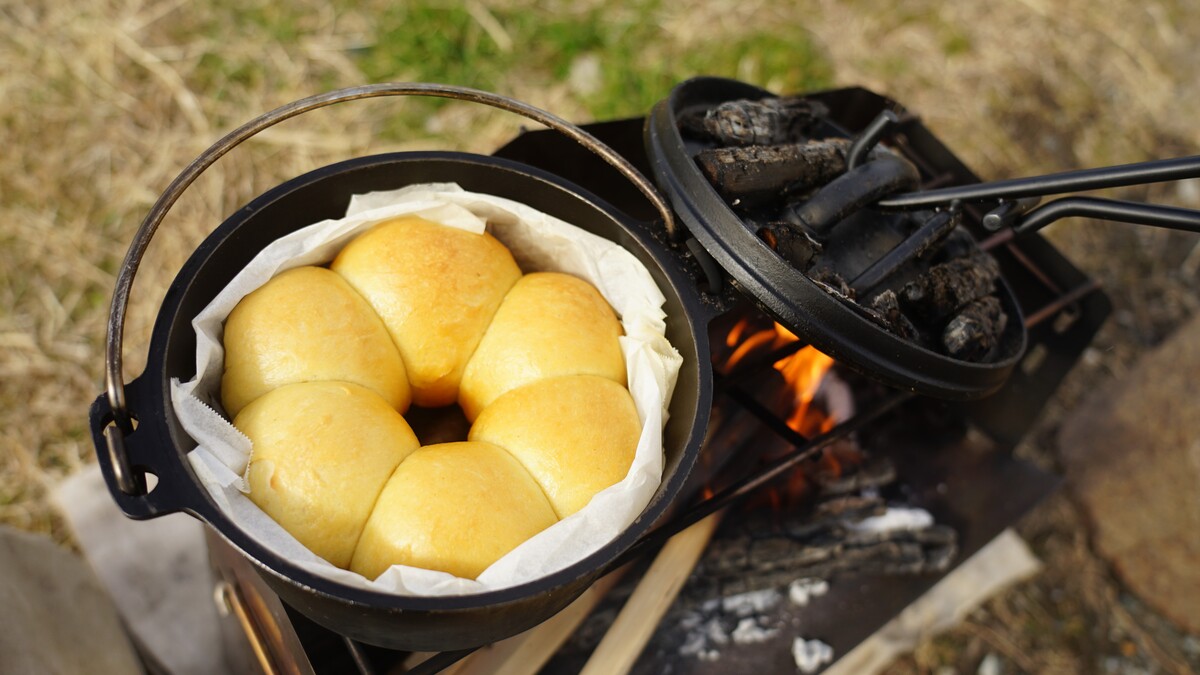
column 1156, row 215
column 1123, row 175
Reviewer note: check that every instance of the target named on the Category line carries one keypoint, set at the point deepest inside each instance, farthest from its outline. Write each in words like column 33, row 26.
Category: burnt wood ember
column 761, row 172
column 768, row 121
column 820, row 537
column 886, row 310
column 908, row 273
column 832, row 282
column 791, row 244
column 950, row 285
column 752, row 561
column 976, row 331
column 870, row 475
column 828, row 513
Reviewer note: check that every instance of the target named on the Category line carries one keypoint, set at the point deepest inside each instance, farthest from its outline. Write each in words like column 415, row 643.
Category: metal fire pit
column 970, row 481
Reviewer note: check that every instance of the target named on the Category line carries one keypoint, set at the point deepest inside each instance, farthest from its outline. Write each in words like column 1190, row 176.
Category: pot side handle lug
column 141, row 487
column 697, row 278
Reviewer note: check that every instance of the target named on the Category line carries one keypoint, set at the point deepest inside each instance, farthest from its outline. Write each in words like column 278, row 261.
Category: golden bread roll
column 549, row 324
column 322, row 453
column 576, row 435
column 454, row 507
column 304, row 325
column 436, row 289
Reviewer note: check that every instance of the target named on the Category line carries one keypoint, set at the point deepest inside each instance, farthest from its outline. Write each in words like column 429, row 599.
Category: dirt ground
column 105, row 100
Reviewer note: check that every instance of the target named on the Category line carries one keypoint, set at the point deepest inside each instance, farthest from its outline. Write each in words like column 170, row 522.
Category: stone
column 1003, row 562
column 1132, row 458
column 157, row 572
column 57, row 617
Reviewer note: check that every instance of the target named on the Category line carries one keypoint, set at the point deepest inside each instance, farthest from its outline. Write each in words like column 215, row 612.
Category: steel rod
column 745, row 486
column 1155, row 215
column 1001, row 237
column 869, row 138
column 774, row 422
column 440, row 661
column 914, row 246
column 1138, row 173
column 360, row 659
column 750, row 367
column 1062, row 302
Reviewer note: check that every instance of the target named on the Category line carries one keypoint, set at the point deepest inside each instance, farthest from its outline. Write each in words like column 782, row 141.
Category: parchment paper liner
column 538, row 242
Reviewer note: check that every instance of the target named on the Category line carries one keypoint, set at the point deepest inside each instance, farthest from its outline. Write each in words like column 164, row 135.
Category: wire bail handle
column 133, row 482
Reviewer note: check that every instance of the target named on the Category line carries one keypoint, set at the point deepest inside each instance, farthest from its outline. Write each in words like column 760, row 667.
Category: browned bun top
column 550, row 324
column 454, row 507
column 284, row 333
column 575, row 434
column 322, row 453
column 436, row 289
column 318, row 362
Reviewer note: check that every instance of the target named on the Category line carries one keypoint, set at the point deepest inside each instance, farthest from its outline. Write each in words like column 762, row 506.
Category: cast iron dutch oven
column 136, row 432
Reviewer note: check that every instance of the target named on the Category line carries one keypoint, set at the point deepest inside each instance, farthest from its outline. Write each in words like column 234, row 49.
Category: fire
column 744, row 345
column 803, row 371
column 757, row 342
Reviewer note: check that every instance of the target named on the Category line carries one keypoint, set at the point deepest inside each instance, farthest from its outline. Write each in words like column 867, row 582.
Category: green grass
column 435, row 41
column 428, row 41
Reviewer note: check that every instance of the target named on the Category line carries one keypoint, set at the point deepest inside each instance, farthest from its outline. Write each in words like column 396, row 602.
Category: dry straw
column 103, row 101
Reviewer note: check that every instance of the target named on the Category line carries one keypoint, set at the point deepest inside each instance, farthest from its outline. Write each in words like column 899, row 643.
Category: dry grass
column 104, row 100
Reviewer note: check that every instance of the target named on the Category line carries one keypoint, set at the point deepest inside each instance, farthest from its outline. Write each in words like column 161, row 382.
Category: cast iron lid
column 785, row 292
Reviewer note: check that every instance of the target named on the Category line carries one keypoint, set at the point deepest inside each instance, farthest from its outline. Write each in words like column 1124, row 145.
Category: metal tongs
column 1019, row 197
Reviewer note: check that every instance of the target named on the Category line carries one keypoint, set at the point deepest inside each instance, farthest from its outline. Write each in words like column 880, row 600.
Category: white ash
column 810, row 655
column 743, row 605
column 715, row 632
column 802, row 590
column 895, row 518
column 703, row 637
column 697, row 646
column 739, row 619
column 748, row 632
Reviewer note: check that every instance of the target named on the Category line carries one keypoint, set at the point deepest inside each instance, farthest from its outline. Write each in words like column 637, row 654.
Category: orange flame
column 744, row 345
column 804, row 371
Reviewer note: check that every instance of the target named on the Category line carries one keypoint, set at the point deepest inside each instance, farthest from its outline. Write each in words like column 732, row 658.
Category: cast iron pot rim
column 781, row 289
column 207, row 511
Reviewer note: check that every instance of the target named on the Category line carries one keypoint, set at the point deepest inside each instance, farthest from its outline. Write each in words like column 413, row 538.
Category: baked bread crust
column 550, row 324
column 444, row 315
column 436, row 289
column 576, row 435
column 322, row 453
column 454, row 507
column 282, row 334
